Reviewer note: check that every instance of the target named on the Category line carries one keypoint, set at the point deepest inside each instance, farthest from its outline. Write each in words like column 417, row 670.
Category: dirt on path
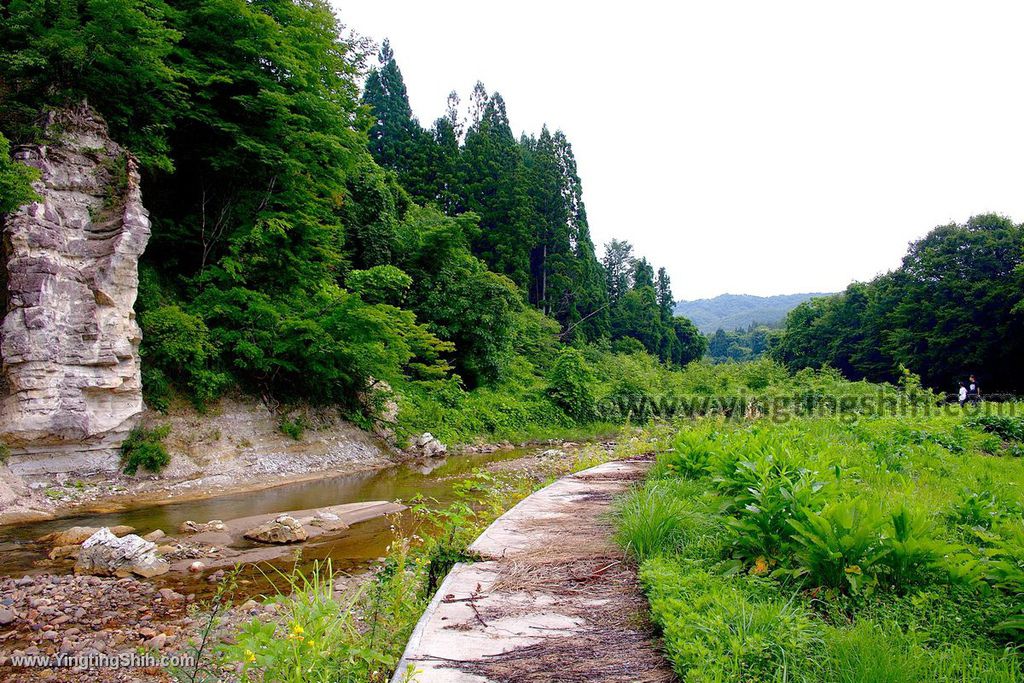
column 553, row 598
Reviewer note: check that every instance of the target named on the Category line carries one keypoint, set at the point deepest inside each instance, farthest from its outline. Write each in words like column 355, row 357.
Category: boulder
column 427, row 445
column 283, row 529
column 105, row 554
column 70, row 384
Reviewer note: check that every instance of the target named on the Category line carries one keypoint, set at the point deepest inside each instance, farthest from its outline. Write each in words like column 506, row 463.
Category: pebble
column 7, row 616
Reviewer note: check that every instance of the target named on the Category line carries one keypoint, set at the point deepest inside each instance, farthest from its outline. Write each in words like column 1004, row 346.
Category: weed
column 144, row 448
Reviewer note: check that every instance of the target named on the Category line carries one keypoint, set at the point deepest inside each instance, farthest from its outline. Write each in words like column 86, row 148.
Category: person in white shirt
column 962, row 395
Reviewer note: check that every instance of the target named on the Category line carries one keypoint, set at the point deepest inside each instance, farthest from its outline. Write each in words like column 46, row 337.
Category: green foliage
column 689, row 455
column 926, row 587
column 380, row 285
column 1007, row 427
column 319, row 638
column 293, row 428
column 752, row 343
column 569, row 385
column 912, row 549
column 115, row 53
column 716, row 629
column 144, row 448
column 839, row 547
column 650, row 520
column 15, row 180
column 178, row 346
column 950, row 310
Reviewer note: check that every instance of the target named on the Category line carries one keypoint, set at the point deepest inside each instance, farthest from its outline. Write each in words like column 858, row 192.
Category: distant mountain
column 734, row 311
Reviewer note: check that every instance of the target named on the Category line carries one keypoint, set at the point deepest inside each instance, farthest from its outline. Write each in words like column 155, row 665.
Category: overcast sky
column 749, row 147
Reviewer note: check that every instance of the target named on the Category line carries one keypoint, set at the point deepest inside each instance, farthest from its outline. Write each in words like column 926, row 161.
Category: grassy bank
column 853, row 548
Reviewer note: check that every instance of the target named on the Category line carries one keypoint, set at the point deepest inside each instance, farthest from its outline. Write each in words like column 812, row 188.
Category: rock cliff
column 70, row 387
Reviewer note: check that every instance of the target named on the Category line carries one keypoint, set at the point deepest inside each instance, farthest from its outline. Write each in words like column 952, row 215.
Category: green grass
column 881, row 548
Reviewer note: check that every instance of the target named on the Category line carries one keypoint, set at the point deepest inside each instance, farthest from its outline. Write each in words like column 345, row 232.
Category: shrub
column 688, row 456
column 977, row 510
column 569, row 385
column 717, row 629
column 764, row 511
column 178, row 345
column 293, row 428
column 839, row 546
column 144, row 448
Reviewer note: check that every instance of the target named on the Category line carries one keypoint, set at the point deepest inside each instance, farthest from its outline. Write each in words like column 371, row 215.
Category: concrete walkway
column 552, row 598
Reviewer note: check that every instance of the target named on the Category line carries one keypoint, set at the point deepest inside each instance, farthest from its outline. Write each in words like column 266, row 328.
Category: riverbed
column 354, row 550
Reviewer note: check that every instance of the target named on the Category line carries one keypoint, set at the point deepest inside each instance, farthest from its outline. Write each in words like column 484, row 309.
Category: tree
column 689, row 344
column 455, row 294
column 397, row 141
column 951, row 309
column 114, row 53
column 493, row 187
column 618, row 269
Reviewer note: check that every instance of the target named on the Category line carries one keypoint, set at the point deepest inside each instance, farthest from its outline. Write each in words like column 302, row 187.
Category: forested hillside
column 952, row 309
column 311, row 238
column 737, row 311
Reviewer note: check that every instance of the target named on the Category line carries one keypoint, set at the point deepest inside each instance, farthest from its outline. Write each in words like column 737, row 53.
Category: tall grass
column 651, row 520
column 886, row 548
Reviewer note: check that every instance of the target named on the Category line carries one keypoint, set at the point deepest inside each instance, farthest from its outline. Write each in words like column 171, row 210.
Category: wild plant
column 911, row 549
column 689, row 456
column 840, row 546
column 650, row 521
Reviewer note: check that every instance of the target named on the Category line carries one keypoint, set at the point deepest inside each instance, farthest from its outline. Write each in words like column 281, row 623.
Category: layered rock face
column 70, row 386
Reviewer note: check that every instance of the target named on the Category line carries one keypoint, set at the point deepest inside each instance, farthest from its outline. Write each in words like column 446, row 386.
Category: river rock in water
column 427, row 445
column 283, row 529
column 105, row 554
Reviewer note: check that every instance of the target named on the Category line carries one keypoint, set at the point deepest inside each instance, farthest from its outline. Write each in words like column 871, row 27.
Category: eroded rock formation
column 70, row 387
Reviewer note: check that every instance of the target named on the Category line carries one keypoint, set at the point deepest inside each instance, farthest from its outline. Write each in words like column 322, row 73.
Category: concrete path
column 552, row 599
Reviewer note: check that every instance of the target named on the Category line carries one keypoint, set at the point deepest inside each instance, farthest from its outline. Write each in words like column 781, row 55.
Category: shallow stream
column 353, row 551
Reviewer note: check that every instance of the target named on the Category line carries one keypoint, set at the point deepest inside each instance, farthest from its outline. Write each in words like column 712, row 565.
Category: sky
column 748, row 147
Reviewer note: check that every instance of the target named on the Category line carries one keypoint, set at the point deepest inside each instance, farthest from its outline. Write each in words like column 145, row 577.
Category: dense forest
column 310, row 237
column 952, row 309
column 750, row 343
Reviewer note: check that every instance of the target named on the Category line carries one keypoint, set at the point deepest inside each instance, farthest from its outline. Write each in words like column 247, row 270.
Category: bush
column 1008, row 428
column 689, row 456
column 569, row 385
column 144, row 448
column 839, row 547
column 178, row 345
column 912, row 549
column 717, row 629
column 293, row 428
